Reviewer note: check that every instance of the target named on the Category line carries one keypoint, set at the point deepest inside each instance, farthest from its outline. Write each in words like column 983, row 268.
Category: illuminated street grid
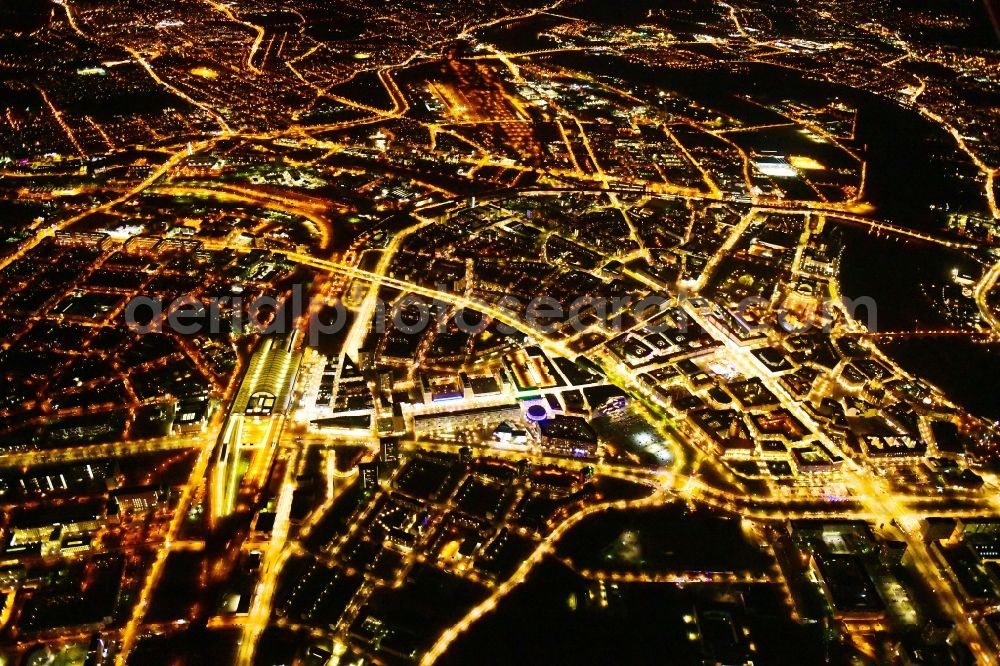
column 380, row 491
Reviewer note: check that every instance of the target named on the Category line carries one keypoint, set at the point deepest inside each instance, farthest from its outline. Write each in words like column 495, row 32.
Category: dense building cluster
column 521, row 332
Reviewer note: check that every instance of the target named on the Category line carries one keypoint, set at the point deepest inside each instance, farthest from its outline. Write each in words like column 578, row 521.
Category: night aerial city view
column 461, row 332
